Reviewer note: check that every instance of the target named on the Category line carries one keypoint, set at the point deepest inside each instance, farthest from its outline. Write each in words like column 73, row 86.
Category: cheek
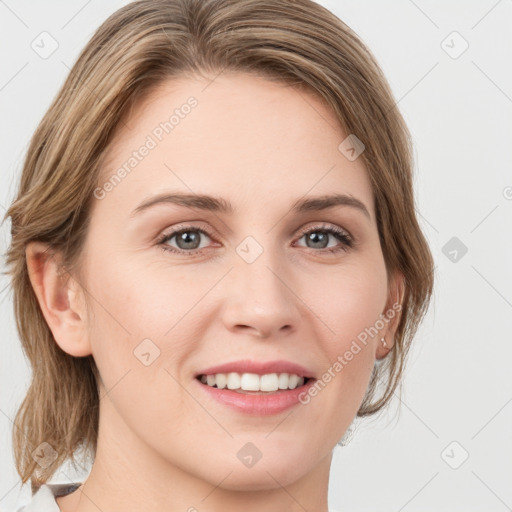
column 350, row 299
column 141, row 314
column 349, row 304
column 143, row 300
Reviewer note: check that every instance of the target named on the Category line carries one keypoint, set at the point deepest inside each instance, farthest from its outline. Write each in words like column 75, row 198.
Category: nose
column 260, row 300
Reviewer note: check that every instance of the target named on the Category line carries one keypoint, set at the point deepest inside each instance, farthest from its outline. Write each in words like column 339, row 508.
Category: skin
column 163, row 445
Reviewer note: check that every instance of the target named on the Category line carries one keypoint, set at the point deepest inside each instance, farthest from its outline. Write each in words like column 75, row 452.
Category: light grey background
column 459, row 109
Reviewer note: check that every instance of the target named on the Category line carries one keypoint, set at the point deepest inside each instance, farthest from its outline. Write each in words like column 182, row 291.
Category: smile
column 252, row 401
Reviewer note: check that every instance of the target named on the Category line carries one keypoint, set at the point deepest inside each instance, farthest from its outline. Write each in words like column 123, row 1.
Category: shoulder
column 44, row 499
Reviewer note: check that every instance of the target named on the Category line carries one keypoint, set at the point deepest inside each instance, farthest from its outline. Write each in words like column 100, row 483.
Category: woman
column 215, row 257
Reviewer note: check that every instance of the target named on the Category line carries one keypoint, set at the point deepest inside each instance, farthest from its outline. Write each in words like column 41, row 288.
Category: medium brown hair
column 294, row 42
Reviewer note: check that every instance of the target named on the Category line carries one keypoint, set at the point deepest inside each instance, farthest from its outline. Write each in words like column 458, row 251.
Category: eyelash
column 347, row 242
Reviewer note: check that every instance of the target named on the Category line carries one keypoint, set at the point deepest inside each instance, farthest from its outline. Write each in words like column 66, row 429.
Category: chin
column 279, row 468
column 260, row 478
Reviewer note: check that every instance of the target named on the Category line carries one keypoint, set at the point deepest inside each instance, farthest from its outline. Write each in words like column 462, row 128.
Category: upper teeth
column 253, row 381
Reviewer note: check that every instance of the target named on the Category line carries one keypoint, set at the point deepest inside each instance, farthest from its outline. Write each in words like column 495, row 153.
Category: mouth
column 253, row 394
column 256, row 387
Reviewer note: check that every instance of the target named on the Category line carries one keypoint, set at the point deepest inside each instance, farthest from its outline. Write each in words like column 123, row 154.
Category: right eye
column 188, row 240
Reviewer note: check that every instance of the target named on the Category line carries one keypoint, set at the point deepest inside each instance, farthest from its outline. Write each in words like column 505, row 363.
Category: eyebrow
column 220, row 205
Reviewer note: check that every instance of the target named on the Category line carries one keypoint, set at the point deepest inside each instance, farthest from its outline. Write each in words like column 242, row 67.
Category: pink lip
column 257, row 404
column 260, row 368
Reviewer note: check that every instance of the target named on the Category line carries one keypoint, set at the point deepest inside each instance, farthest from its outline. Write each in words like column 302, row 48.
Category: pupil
column 186, row 241
column 322, row 238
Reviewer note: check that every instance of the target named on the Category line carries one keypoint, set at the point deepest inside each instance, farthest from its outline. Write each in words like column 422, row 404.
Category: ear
column 391, row 315
column 60, row 298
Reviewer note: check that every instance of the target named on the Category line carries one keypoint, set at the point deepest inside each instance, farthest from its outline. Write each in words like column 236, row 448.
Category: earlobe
column 59, row 297
column 391, row 315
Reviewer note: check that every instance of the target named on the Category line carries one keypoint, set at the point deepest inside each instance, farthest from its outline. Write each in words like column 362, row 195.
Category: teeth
column 293, row 380
column 283, row 381
column 253, row 382
column 221, row 380
column 233, row 380
column 249, row 382
column 269, row 382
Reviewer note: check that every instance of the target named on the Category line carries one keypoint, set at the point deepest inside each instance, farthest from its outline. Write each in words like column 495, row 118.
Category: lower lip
column 258, row 404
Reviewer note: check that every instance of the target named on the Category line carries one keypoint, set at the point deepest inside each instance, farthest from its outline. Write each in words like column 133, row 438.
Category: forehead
column 237, row 133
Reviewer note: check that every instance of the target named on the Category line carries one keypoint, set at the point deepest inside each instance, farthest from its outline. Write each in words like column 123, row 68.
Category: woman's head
column 263, row 105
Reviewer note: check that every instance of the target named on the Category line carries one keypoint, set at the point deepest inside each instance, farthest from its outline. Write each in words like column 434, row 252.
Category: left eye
column 319, row 237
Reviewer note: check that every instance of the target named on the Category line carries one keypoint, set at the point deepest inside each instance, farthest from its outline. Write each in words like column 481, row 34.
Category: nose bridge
column 259, row 296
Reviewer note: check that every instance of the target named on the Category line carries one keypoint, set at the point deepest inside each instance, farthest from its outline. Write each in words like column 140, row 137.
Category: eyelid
column 344, row 237
column 192, row 226
column 324, row 226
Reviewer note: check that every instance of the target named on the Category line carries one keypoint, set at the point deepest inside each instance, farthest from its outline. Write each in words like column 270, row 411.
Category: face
column 179, row 287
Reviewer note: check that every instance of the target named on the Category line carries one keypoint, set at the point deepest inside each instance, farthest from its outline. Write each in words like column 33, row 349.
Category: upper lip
column 258, row 367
